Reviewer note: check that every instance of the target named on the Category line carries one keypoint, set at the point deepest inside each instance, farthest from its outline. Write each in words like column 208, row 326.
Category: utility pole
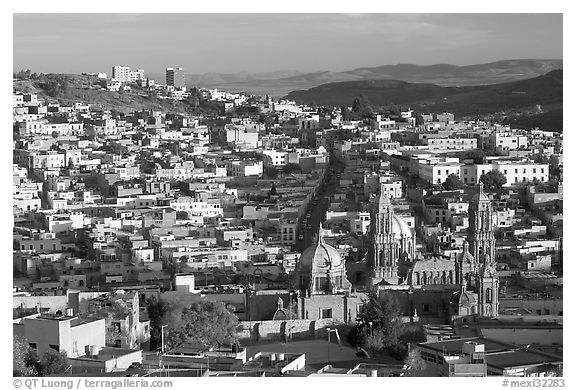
column 162, row 331
column 330, row 330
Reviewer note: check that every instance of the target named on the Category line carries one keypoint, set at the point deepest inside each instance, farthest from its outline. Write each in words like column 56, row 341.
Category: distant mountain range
column 280, row 83
column 506, row 98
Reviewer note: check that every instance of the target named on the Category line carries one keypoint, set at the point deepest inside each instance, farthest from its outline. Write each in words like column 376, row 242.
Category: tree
column 382, row 314
column 452, row 183
column 291, row 168
column 205, row 323
column 555, row 167
column 493, row 180
column 374, row 342
column 20, row 353
column 413, row 333
column 53, row 363
column 414, row 361
column 270, row 172
column 346, row 114
column 362, row 107
column 273, row 190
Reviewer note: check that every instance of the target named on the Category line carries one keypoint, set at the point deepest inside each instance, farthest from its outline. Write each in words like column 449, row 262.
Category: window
column 426, row 308
column 325, row 313
column 33, row 345
column 54, row 347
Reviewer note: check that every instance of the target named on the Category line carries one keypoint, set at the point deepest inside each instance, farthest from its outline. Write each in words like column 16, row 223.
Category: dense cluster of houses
column 112, row 208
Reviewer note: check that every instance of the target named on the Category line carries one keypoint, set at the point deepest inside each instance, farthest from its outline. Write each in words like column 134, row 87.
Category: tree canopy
column 26, row 361
column 19, row 358
column 493, row 180
column 380, row 328
column 203, row 322
column 452, row 183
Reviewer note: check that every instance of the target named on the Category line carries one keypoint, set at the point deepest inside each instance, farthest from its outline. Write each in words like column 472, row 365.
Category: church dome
column 321, row 255
column 321, row 269
column 464, row 298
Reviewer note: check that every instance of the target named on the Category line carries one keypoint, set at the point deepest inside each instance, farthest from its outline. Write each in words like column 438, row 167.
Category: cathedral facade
column 467, row 284
column 393, row 242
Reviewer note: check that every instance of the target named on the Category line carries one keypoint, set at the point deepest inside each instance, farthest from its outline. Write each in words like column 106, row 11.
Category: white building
column 516, row 172
column 244, row 168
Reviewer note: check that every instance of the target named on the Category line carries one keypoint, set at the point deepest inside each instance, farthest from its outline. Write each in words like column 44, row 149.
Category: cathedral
column 323, row 289
column 447, row 287
column 394, row 242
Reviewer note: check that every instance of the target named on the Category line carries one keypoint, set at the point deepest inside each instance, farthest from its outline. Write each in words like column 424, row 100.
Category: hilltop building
column 175, row 77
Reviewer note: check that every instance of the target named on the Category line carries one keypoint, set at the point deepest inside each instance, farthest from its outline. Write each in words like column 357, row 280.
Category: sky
column 230, row 43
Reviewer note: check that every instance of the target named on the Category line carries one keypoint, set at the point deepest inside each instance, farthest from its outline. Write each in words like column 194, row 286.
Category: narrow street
column 316, row 212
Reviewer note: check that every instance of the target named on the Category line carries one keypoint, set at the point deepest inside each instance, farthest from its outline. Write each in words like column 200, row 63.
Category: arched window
column 417, row 274
column 450, row 277
column 443, row 279
column 424, row 280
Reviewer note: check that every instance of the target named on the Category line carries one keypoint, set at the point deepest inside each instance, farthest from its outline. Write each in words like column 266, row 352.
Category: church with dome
column 321, row 269
column 323, row 289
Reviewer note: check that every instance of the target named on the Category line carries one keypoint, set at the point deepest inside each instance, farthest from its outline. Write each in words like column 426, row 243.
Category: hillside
column 543, row 90
column 69, row 89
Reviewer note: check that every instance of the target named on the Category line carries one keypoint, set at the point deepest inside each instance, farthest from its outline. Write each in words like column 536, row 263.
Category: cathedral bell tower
column 393, row 241
column 483, row 249
column 481, row 228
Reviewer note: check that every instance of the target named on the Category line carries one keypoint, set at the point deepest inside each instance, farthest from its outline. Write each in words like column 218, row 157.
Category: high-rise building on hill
column 175, row 77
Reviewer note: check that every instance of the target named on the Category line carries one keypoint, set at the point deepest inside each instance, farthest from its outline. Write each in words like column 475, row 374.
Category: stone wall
column 282, row 330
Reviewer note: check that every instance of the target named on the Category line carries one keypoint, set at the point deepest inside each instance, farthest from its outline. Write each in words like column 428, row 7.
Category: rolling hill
column 281, row 82
column 545, row 90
